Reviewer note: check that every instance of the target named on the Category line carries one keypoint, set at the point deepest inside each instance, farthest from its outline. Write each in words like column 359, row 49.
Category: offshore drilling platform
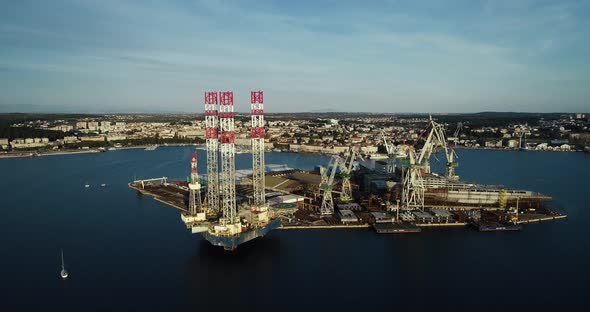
column 219, row 219
column 411, row 196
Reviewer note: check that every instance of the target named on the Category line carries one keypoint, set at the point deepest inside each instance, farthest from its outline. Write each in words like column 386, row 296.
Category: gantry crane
column 327, row 183
column 345, row 174
column 436, row 138
column 394, row 152
column 415, row 166
column 413, row 184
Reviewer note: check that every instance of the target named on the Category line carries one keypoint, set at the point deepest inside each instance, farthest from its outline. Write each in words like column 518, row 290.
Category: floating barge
column 499, row 227
column 396, row 228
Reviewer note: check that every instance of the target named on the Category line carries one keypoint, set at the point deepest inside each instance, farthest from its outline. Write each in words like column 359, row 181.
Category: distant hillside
column 11, row 118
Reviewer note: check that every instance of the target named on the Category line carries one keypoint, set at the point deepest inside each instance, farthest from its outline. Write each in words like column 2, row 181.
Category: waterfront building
column 81, row 125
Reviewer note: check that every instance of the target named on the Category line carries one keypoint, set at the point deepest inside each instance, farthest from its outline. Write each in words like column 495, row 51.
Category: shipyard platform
column 292, row 213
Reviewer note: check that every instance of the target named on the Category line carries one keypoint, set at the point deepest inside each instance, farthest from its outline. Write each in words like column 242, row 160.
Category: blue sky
column 370, row 56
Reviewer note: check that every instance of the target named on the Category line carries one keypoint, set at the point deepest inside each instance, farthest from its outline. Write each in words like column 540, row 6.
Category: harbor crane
column 345, row 174
column 436, row 139
column 455, row 136
column 459, row 128
column 392, row 150
column 413, row 184
column 327, row 183
column 416, row 165
column 388, row 147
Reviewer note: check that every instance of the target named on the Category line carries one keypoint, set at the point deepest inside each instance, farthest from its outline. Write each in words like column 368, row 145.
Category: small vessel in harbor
column 103, row 185
column 378, row 156
column 396, row 228
column 243, row 150
column 64, row 274
column 499, row 228
column 151, row 148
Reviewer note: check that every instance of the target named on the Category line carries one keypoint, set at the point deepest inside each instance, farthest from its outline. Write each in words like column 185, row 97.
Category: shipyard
column 396, row 193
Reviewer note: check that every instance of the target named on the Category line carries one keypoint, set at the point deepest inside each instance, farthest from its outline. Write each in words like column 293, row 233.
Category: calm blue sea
column 127, row 252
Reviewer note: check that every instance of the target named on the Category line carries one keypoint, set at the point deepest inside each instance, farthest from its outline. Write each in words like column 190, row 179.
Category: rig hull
column 232, row 242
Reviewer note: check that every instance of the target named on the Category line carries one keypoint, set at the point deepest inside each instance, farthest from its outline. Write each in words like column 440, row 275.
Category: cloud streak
column 381, row 56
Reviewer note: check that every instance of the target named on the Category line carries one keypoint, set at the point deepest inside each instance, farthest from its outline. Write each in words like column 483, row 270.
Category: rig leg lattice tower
column 228, row 169
column 259, row 209
column 258, row 147
column 212, row 143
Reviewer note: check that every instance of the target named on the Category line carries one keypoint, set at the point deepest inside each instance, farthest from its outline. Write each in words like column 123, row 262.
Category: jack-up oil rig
column 219, row 219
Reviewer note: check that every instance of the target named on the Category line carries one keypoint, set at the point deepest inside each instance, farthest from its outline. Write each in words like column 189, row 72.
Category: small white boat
column 64, row 274
column 103, row 185
column 378, row 156
column 87, row 185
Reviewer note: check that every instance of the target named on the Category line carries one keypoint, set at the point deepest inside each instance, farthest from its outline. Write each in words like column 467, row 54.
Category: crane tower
column 345, row 174
column 327, row 183
column 212, row 143
column 413, row 183
column 228, row 169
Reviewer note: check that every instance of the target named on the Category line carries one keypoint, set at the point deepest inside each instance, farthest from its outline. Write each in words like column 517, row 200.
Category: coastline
column 27, row 154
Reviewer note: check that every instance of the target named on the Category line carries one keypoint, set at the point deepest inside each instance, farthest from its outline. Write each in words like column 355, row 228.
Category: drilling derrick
column 212, row 143
column 230, row 220
column 194, row 187
column 195, row 214
column 259, row 210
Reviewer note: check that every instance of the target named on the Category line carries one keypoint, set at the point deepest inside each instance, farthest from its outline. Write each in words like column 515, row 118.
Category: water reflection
column 245, row 275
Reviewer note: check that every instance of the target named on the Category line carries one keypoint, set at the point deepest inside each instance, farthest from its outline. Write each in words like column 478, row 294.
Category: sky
column 307, row 55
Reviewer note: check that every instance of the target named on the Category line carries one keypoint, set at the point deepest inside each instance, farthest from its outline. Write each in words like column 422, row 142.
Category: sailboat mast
column 62, row 259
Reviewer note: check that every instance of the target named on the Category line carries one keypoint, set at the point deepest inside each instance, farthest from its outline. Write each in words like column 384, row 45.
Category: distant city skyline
column 308, row 56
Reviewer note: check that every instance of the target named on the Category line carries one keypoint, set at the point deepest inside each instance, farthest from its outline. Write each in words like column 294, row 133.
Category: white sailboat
column 63, row 273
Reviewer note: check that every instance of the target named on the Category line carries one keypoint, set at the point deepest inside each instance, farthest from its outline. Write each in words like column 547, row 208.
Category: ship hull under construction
column 232, row 242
